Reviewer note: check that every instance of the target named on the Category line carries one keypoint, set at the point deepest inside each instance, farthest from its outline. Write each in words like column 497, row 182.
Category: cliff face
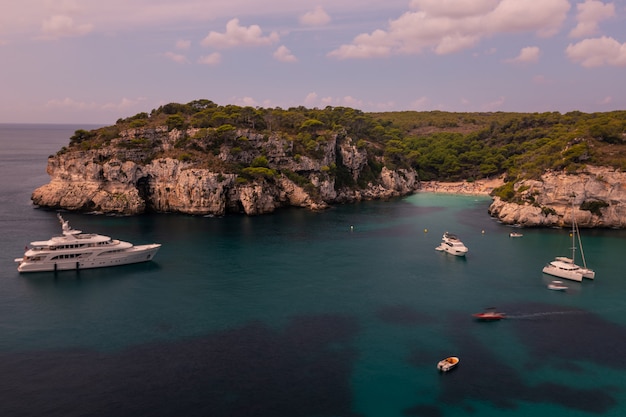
column 120, row 178
column 596, row 197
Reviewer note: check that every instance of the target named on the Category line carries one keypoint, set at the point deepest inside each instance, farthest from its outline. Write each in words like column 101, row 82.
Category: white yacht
column 452, row 244
column 77, row 250
column 564, row 267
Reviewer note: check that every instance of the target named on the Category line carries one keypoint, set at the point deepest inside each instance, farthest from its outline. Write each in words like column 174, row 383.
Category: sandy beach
column 479, row 187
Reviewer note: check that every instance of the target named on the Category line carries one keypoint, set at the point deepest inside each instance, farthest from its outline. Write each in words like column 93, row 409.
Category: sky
column 94, row 61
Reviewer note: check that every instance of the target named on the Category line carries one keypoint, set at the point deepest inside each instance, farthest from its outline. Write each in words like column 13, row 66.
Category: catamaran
column 565, row 267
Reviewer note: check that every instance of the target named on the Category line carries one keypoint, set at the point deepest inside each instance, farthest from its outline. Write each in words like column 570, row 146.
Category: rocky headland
column 594, row 196
column 141, row 170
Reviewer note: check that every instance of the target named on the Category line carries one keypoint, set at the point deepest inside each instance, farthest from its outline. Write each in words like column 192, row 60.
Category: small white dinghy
column 448, row 364
column 557, row 286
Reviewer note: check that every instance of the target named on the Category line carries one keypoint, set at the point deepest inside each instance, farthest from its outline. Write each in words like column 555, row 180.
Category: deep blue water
column 343, row 312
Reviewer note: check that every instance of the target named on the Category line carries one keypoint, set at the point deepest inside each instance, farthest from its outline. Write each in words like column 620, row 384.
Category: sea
column 338, row 313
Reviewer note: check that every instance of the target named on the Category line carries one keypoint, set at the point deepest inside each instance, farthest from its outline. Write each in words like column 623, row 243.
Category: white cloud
column 310, row 99
column 527, row 54
column 598, row 52
column 452, row 25
column 606, row 100
column 283, row 54
column 590, row 13
column 179, row 58
column 237, row 35
column 244, row 101
column 317, row 17
column 59, row 26
column 454, row 8
column 124, row 104
column 183, row 44
column 420, row 103
column 69, row 103
column 540, row 80
column 494, row 105
column 212, row 59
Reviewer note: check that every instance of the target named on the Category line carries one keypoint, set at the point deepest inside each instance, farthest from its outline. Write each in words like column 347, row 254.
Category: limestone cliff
column 596, row 197
column 141, row 170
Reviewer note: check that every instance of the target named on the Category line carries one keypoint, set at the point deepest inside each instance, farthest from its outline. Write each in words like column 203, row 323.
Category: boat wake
column 535, row 316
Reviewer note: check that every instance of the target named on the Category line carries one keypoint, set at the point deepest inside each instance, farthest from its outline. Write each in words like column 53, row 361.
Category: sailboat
column 564, row 267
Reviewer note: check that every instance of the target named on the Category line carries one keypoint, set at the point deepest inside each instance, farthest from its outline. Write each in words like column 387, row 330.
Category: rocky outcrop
column 596, row 197
column 137, row 172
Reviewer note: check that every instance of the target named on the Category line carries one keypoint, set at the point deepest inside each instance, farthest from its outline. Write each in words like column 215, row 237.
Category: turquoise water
column 343, row 312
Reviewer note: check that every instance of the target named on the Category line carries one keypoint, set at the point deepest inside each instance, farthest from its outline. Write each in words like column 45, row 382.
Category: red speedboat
column 489, row 316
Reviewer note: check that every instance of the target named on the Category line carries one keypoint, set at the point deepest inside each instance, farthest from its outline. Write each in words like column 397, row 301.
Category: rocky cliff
column 143, row 169
column 596, row 197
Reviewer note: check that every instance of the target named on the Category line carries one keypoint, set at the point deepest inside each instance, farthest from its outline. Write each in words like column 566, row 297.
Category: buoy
column 483, row 232
column 351, row 228
column 425, row 230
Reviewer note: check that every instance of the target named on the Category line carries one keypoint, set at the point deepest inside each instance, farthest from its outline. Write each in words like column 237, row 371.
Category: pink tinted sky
column 93, row 61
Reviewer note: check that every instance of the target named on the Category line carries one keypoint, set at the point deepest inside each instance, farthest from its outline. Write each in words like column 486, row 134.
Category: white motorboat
column 557, row 286
column 75, row 250
column 448, row 364
column 564, row 267
column 515, row 234
column 452, row 244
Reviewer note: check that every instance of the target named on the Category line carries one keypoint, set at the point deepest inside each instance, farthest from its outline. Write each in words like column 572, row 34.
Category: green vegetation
column 594, row 206
column 438, row 145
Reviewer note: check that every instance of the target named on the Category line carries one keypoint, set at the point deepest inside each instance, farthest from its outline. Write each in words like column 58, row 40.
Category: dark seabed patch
column 423, row 411
column 561, row 342
column 303, row 370
column 402, row 315
column 484, row 377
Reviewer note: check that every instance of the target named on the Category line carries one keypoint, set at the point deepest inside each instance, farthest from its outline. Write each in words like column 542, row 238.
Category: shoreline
column 479, row 187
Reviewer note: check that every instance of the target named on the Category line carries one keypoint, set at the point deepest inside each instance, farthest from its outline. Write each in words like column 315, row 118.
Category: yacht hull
column 135, row 254
column 563, row 270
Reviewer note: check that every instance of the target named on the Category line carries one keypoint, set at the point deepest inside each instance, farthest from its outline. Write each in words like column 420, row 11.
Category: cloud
column 541, row 80
column 590, row 13
column 420, row 103
column 244, row 101
column 237, row 35
column 454, row 8
column 598, row 52
column 317, row 17
column 494, row 105
column 310, row 99
column 212, row 59
column 183, row 44
column 450, row 26
column 606, row 100
column 527, row 54
column 69, row 103
column 60, row 26
column 124, row 104
column 283, row 54
column 179, row 58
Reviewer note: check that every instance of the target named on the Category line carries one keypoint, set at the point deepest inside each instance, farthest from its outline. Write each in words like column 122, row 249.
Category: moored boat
column 451, row 244
column 75, row 250
column 557, row 286
column 564, row 267
column 448, row 363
